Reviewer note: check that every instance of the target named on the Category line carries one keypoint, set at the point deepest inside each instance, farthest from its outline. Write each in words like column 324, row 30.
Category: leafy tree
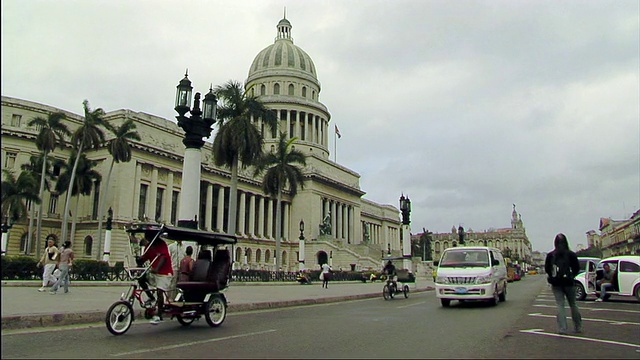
column 88, row 135
column 120, row 149
column 16, row 192
column 281, row 170
column 238, row 139
column 51, row 134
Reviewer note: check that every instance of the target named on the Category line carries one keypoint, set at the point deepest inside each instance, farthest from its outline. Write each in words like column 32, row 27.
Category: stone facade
column 149, row 186
column 617, row 237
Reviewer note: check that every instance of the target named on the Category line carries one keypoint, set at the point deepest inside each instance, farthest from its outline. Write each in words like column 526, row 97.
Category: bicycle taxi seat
column 207, row 276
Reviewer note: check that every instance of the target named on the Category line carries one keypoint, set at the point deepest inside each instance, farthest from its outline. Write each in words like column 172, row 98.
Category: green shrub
column 20, row 267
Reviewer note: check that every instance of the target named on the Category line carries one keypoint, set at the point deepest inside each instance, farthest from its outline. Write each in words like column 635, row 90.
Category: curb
column 17, row 322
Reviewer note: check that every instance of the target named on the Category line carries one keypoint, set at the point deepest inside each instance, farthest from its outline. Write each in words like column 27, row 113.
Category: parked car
column 626, row 276
column 586, row 279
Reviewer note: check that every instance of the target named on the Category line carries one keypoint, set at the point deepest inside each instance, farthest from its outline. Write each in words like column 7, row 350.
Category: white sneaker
column 42, row 289
column 155, row 320
column 598, row 300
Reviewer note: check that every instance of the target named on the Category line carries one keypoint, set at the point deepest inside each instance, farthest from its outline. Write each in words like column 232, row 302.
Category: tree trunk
column 65, row 215
column 41, row 194
column 101, row 205
column 74, row 220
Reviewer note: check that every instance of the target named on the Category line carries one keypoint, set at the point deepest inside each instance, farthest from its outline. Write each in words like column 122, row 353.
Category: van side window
column 493, row 257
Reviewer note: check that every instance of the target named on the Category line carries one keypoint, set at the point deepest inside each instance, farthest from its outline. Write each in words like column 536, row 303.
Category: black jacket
column 574, row 264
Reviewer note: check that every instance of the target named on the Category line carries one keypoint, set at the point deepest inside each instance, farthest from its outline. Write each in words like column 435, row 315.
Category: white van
column 471, row 273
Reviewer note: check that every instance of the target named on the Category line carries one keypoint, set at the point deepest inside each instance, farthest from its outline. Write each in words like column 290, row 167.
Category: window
column 53, row 204
column 16, row 120
column 96, row 201
column 10, row 160
column 143, row 201
column 276, row 89
column 159, row 197
column 23, row 243
column 263, row 90
column 291, row 89
column 174, row 207
column 304, row 91
column 88, row 245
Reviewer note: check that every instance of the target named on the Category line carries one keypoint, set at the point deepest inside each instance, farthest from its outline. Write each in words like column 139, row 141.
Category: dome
column 283, row 58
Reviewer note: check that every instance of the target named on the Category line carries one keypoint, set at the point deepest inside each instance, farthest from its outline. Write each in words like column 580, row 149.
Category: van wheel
column 496, row 297
column 503, row 297
column 581, row 294
column 445, row 302
column 636, row 292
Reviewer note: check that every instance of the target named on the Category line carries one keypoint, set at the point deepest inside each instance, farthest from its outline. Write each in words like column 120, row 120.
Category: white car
column 471, row 273
column 626, row 276
column 586, row 278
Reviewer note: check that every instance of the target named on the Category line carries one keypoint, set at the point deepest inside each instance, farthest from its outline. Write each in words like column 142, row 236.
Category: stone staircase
column 362, row 256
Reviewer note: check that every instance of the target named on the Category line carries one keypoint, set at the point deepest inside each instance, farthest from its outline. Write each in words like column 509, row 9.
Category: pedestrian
column 325, row 275
column 561, row 266
column 606, row 282
column 177, row 251
column 48, row 261
column 64, row 265
column 186, row 265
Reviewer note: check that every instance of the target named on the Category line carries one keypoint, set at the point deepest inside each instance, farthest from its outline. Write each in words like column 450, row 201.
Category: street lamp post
column 196, row 127
column 5, row 234
column 107, row 236
column 405, row 208
column 461, row 235
column 301, row 247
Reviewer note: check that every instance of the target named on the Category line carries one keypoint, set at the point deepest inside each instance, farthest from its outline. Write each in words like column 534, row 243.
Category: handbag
column 321, row 276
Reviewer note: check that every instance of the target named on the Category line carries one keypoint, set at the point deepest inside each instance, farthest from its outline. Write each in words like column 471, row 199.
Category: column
column 168, row 197
column 242, row 213
column 220, row 214
column 261, row 218
column 298, row 129
column 285, row 222
column 252, row 215
column 270, row 219
column 339, row 221
column 153, row 191
column 209, row 207
column 136, row 190
column 333, row 219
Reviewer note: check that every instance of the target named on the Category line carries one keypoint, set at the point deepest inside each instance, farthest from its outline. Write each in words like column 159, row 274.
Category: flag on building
column 337, row 131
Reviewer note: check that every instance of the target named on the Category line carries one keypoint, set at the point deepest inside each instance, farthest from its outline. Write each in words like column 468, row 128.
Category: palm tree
column 51, row 135
column 238, row 139
column 120, row 150
column 281, row 170
column 88, row 135
column 16, row 192
column 83, row 177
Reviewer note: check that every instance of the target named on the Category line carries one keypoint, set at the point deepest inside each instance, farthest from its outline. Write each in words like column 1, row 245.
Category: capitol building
column 357, row 231
column 149, row 187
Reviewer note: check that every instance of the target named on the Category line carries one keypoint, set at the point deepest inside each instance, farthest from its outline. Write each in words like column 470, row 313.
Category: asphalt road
column 417, row 327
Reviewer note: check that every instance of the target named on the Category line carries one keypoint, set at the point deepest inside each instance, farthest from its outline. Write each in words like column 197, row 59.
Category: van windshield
column 465, row 258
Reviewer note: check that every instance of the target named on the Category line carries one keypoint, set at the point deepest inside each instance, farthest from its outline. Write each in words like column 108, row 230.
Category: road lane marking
column 406, row 306
column 542, row 332
column 177, row 346
column 594, row 309
column 610, row 322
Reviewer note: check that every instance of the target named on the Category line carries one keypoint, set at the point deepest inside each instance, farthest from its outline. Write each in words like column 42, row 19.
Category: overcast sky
column 467, row 107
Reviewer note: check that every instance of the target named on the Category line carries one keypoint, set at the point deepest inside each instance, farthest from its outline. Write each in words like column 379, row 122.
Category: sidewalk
column 87, row 301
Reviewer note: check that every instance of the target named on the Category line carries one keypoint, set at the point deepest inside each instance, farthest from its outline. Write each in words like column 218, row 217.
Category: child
column 186, row 265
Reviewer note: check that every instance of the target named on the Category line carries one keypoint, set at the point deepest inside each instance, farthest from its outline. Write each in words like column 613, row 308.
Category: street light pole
column 5, row 234
column 196, row 127
column 405, row 208
column 301, row 247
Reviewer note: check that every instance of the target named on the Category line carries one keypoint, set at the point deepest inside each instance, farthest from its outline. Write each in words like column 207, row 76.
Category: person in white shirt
column 326, row 275
column 177, row 250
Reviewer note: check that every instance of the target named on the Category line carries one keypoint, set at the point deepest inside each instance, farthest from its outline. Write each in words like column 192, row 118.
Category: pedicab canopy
column 181, row 233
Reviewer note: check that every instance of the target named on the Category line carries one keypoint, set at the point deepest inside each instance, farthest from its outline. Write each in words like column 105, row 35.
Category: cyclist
column 161, row 270
column 390, row 270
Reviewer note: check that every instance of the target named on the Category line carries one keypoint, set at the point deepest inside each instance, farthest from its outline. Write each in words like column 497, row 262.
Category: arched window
column 263, row 89
column 284, row 258
column 276, row 89
column 313, row 95
column 291, row 89
column 238, row 256
column 267, row 256
column 258, row 255
column 304, row 91
column 88, row 245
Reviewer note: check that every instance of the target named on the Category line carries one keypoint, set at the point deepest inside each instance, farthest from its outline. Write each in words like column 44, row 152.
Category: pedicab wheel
column 119, row 317
column 185, row 321
column 386, row 292
column 405, row 290
column 215, row 310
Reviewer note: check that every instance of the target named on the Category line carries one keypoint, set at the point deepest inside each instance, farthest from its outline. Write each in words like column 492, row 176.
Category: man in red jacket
column 157, row 252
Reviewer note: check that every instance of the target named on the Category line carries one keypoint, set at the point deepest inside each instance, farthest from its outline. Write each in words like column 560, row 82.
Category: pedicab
column 199, row 297
column 392, row 288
